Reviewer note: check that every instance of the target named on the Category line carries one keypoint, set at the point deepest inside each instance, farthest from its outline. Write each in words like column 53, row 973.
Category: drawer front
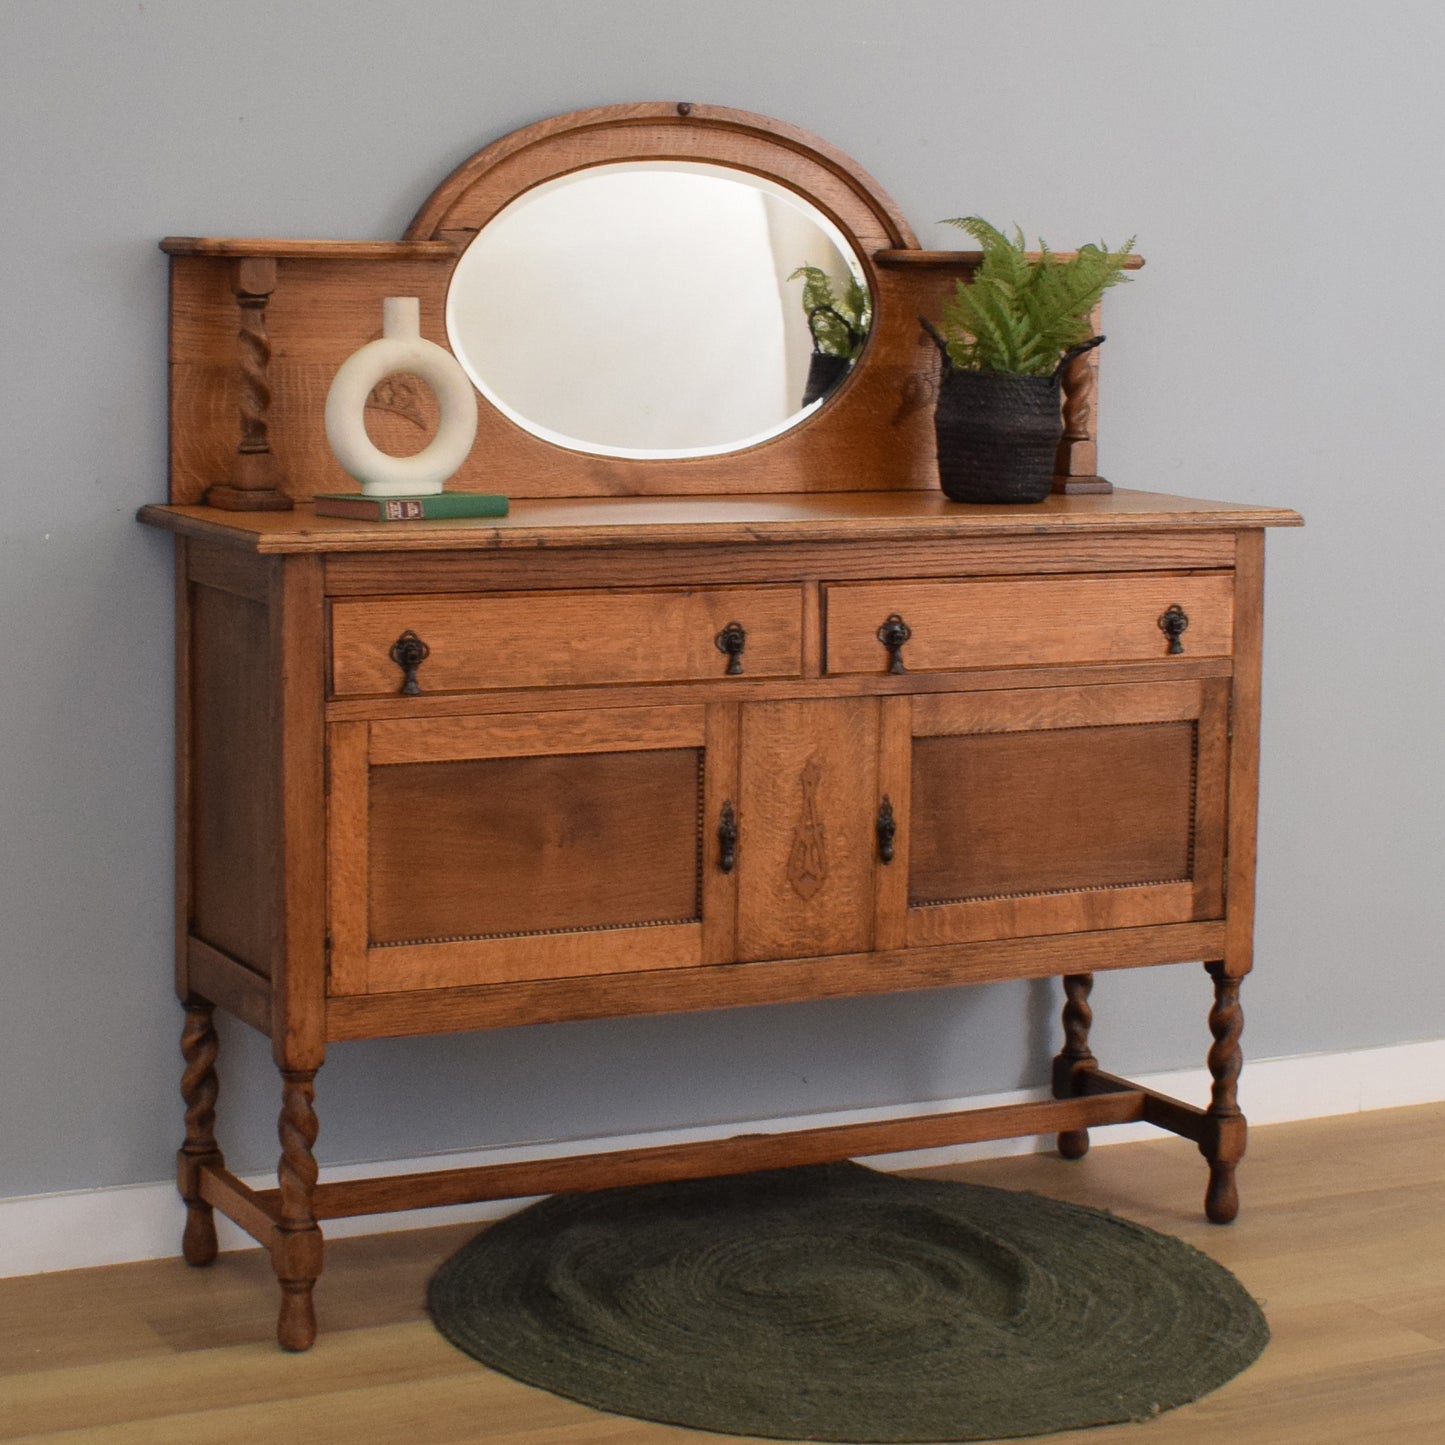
column 565, row 639
column 1027, row 622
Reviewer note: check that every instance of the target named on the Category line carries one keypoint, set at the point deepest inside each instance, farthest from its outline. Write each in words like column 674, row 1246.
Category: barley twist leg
column 1075, row 1055
column 199, row 1088
column 296, row 1253
column 1224, row 1138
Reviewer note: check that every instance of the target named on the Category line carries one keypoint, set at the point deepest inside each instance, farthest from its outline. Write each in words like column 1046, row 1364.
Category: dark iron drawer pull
column 731, row 640
column 893, row 633
column 1172, row 624
column 408, row 652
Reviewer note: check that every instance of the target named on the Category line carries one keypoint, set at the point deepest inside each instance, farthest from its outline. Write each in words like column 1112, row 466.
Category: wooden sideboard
column 768, row 724
column 588, row 808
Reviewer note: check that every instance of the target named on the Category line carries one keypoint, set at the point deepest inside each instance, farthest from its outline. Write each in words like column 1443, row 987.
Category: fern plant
column 838, row 318
column 1020, row 313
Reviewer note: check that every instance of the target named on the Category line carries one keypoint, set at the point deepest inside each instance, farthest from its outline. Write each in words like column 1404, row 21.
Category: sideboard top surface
column 622, row 521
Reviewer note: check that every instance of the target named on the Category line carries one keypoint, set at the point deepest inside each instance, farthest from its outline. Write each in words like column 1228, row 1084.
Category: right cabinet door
column 1053, row 810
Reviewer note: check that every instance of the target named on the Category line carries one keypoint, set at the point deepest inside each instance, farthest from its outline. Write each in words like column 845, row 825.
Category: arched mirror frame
column 866, row 437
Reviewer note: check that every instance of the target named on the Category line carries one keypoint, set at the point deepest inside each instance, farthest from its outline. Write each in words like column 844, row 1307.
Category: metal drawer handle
column 1172, row 623
column 893, row 633
column 887, row 828
column 408, row 652
column 731, row 640
column 727, row 838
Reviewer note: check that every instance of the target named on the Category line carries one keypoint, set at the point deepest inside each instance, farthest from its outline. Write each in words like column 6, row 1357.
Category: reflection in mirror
column 649, row 309
column 839, row 317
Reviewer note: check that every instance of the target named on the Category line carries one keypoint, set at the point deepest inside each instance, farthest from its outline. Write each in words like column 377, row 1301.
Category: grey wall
column 1280, row 165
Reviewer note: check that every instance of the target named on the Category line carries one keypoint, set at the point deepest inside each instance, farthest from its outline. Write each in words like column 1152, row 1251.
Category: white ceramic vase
column 401, row 348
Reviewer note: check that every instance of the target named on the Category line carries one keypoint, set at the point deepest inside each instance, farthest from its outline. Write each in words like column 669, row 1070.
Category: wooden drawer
column 565, row 639
column 1023, row 622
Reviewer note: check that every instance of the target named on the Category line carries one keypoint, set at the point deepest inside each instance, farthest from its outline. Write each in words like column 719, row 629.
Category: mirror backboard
column 260, row 326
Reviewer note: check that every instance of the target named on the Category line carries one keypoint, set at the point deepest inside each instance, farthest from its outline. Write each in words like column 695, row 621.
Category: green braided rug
column 837, row 1303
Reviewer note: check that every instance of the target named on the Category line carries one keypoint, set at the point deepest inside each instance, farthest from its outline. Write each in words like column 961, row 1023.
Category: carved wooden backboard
column 259, row 327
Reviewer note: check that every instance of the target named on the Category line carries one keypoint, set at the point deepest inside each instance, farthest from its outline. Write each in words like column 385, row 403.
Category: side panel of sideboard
column 251, row 913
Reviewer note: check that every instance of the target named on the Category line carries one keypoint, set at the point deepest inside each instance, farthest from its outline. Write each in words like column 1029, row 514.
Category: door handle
column 887, row 830
column 727, row 838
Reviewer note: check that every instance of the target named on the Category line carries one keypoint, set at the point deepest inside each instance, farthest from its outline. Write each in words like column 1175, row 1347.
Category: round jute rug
column 837, row 1303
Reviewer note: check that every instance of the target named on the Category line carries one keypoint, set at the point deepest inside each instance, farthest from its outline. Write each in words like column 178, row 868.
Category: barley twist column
column 1076, row 466
column 254, row 354
column 255, row 481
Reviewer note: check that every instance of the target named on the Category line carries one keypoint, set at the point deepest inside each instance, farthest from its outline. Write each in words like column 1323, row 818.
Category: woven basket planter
column 998, row 433
column 824, row 373
column 997, row 436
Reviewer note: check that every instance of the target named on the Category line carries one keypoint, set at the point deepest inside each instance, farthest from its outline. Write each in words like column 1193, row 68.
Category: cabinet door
column 1053, row 810
column 488, row 849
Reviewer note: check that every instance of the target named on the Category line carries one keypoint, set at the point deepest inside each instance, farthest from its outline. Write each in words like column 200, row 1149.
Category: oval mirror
column 657, row 309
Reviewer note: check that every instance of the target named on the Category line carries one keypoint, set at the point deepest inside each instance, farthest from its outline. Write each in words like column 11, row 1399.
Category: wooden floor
column 1341, row 1237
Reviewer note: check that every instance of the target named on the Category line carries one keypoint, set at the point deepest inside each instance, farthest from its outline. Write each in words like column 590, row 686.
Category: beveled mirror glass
column 644, row 309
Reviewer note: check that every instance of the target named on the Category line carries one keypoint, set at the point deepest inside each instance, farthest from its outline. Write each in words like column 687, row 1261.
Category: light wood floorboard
column 1341, row 1238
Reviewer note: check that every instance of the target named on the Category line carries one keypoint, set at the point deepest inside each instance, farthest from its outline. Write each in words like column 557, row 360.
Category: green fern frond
column 831, row 332
column 839, row 321
column 985, row 314
column 857, row 304
column 817, row 288
column 1020, row 313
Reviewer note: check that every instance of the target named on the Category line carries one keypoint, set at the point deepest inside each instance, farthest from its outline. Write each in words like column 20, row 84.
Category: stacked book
column 410, row 509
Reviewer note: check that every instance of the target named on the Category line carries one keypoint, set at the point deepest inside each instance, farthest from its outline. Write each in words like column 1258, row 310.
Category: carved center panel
column 808, row 859
column 809, row 797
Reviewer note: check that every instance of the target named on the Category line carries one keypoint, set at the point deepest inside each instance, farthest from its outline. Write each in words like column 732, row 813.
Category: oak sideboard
column 773, row 724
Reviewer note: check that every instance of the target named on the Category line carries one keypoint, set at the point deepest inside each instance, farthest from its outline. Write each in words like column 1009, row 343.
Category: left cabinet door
column 491, row 849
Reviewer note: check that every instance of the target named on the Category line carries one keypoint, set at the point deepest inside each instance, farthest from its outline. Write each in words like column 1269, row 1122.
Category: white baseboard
column 85, row 1228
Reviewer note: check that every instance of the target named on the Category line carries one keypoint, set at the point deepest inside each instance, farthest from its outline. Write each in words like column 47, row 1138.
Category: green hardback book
column 411, row 509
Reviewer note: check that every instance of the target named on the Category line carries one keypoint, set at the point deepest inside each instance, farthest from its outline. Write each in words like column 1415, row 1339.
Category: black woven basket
column 998, row 433
column 826, row 369
column 824, row 373
column 997, row 436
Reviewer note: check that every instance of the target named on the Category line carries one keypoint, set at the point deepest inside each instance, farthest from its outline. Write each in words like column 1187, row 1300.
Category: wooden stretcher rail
column 258, row 1211
column 1174, row 1115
